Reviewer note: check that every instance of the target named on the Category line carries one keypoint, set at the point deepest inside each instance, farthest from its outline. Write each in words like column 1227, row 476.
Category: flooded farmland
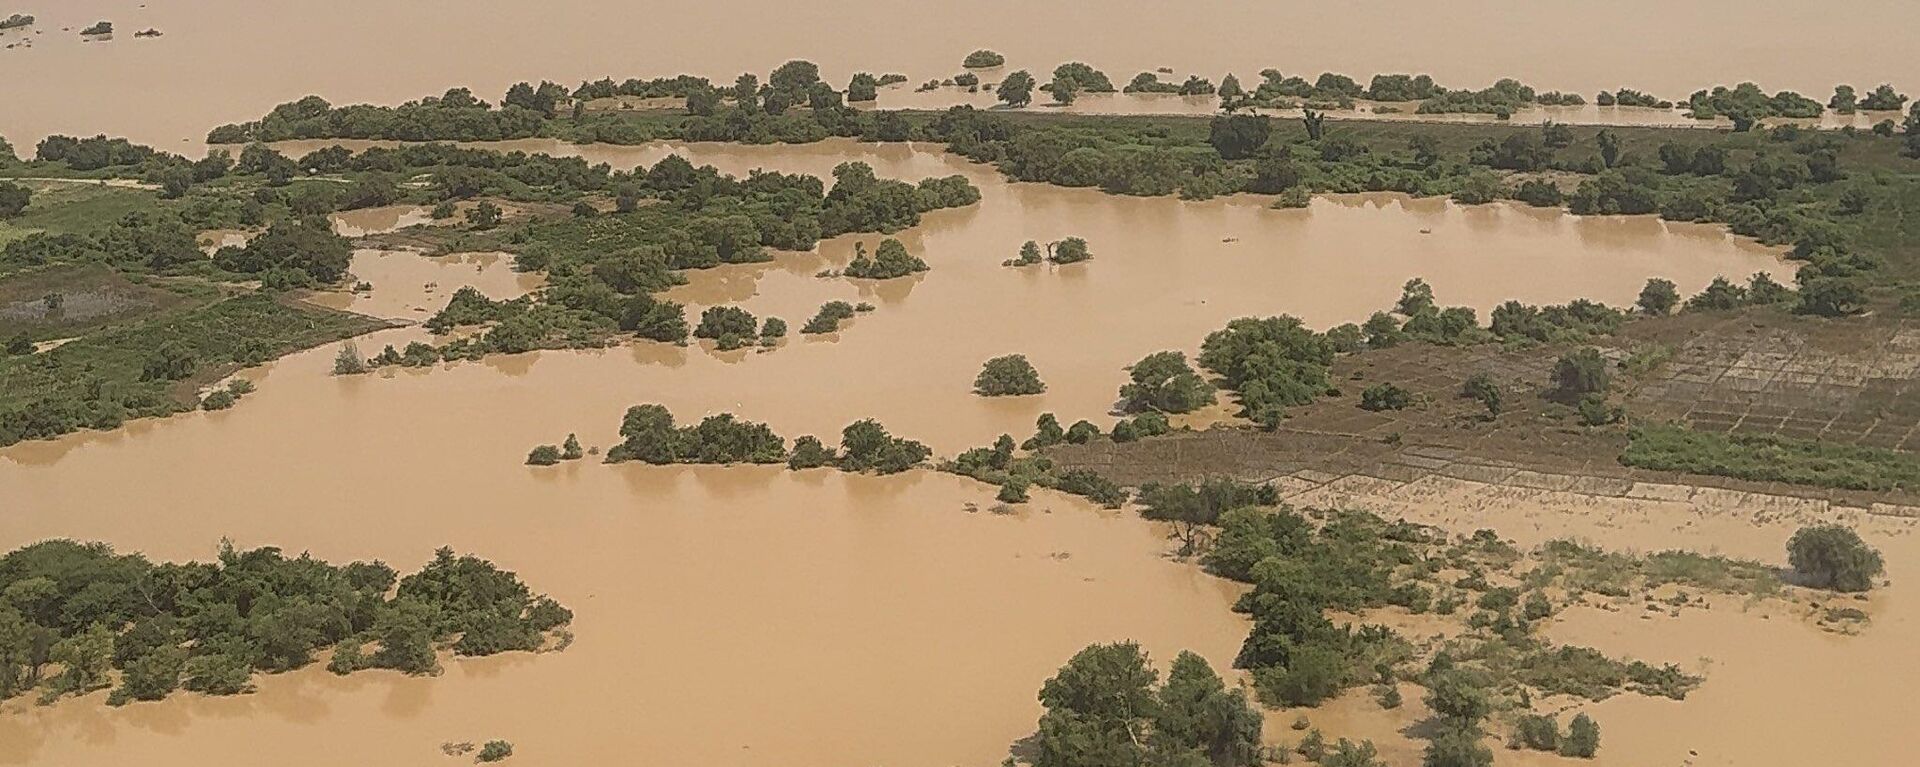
column 746, row 616
column 751, row 615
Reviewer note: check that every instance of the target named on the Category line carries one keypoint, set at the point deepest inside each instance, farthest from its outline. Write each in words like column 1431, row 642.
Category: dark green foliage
column 866, row 445
column 1583, row 737
column 1720, row 295
column 983, row 59
column 1081, row 77
column 1071, row 250
column 1272, row 363
column 544, row 455
column 1102, row 710
column 1164, row 382
column 494, row 750
column 718, row 321
column 1538, row 732
column 1594, row 411
column 1745, row 104
column 1659, row 297
column 1385, row 396
column 1015, row 90
column 1769, row 458
column 1456, row 748
column 1238, row 136
column 209, row 626
column 1501, row 99
column 827, row 320
column 1833, row 557
column 1013, row 490
column 13, row 199
column 291, row 255
column 1481, row 388
column 1046, row 432
column 809, row 453
column 1006, row 376
column 890, row 260
column 1580, row 373
column 1203, row 503
column 125, row 372
column 649, row 435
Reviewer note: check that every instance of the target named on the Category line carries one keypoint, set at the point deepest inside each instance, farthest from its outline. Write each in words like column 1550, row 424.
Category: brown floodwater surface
column 229, row 60
column 751, row 615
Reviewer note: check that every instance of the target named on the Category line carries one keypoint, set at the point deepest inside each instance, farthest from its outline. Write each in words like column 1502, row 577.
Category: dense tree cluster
column 1834, row 557
column 1271, row 363
column 454, row 116
column 983, row 59
column 1164, row 382
column 1501, row 99
column 1745, row 104
column 1105, row 708
column 75, row 613
column 296, row 254
column 890, row 260
column 1008, row 375
column 648, row 434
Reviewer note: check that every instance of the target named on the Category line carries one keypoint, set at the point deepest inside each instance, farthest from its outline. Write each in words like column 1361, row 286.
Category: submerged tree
column 1833, row 557
column 1008, row 375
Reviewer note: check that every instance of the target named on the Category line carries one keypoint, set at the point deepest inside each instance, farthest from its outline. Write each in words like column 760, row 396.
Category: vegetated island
column 79, row 617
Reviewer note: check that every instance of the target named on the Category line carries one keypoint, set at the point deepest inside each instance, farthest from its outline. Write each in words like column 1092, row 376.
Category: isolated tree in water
column 1834, row 557
column 1016, row 90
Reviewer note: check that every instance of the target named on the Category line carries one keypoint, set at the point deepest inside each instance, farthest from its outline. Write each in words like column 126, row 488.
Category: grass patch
column 1668, row 447
column 75, row 208
column 105, row 378
column 89, row 296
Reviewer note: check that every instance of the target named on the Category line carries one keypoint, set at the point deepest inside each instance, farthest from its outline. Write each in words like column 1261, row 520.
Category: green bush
column 494, row 750
column 1770, row 458
column 1833, row 557
column 1385, row 396
column 1009, row 375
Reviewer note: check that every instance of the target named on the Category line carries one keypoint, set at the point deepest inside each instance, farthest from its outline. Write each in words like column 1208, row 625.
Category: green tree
column 1385, row 396
column 1581, row 372
column 13, row 199
column 1833, row 557
column 1609, row 147
column 544, row 455
column 1481, row 388
column 1164, row 382
column 1583, row 737
column 1658, row 297
column 1016, row 90
column 1098, row 709
column 484, row 216
column 1197, row 712
column 1071, row 250
column 494, row 750
column 1008, row 375
column 1237, row 136
column 983, row 59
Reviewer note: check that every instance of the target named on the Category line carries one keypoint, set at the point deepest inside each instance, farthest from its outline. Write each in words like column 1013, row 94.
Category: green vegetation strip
column 1770, row 459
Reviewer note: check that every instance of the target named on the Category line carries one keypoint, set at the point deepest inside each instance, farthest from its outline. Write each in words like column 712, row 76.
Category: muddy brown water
column 229, row 60
column 755, row 616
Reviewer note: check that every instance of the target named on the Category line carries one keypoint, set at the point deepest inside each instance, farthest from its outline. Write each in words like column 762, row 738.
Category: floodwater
column 228, row 60
column 1819, row 696
column 756, row 616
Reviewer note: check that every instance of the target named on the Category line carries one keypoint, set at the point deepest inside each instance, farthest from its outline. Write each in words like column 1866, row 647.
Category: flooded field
column 132, row 86
column 755, row 616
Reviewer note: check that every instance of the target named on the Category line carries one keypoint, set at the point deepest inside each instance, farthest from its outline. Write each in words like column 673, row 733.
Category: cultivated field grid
column 1772, row 381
